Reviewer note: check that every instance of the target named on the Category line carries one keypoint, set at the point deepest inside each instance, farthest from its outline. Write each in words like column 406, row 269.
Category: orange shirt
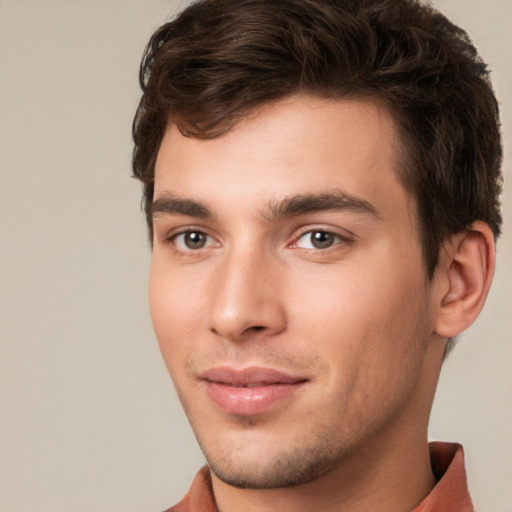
column 449, row 495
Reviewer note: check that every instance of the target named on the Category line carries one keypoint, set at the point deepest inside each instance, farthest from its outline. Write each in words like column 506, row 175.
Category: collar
column 449, row 495
column 451, row 491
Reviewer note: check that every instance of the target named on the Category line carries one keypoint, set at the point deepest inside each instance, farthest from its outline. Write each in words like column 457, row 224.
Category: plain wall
column 89, row 420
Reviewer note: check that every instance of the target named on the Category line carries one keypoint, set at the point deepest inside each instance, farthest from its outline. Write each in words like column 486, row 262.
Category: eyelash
column 172, row 240
column 338, row 239
column 181, row 248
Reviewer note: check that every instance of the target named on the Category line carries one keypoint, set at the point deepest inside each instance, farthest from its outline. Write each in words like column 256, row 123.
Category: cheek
column 176, row 310
column 371, row 331
column 366, row 313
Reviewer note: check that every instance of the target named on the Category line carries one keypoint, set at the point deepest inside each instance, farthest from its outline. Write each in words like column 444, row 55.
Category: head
column 312, row 170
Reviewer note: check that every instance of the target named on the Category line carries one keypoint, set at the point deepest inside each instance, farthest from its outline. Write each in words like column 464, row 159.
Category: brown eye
column 194, row 240
column 318, row 239
column 322, row 239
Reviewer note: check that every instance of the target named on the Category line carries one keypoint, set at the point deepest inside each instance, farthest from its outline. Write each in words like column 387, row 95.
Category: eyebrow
column 292, row 206
column 174, row 205
column 311, row 203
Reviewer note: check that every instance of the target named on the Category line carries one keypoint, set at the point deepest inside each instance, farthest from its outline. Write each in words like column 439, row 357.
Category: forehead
column 295, row 146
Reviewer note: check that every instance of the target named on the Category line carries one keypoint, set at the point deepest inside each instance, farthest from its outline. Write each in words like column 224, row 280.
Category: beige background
column 89, row 421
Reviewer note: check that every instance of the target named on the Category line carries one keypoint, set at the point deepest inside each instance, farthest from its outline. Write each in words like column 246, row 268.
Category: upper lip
column 251, row 376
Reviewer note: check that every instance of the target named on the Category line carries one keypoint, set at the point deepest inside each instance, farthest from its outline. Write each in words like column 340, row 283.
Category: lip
column 250, row 391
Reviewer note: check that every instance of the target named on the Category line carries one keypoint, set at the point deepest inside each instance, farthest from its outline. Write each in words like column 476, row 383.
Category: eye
column 192, row 240
column 318, row 239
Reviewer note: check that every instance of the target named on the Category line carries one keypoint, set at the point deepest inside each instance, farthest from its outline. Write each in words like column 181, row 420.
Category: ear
column 464, row 277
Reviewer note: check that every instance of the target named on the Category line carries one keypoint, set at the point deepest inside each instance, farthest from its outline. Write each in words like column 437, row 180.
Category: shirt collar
column 449, row 495
column 451, row 491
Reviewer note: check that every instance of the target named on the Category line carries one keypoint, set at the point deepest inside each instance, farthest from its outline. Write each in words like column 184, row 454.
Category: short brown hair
column 220, row 59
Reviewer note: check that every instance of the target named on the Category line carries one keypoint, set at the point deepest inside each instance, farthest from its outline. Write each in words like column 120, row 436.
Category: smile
column 250, row 391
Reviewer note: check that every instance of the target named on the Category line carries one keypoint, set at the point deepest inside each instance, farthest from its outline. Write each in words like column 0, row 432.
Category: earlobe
column 468, row 261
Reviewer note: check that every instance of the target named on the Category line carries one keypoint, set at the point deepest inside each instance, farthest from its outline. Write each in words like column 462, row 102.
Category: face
column 287, row 288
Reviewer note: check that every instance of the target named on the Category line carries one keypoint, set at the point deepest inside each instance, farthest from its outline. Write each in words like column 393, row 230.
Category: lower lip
column 250, row 401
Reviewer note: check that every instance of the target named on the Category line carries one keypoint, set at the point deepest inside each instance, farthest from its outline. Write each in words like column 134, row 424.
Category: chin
column 275, row 470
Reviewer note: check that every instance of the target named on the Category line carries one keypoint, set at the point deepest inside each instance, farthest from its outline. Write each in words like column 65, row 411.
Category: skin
column 356, row 318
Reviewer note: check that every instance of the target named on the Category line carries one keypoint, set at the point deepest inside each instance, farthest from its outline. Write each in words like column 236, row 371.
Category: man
column 321, row 183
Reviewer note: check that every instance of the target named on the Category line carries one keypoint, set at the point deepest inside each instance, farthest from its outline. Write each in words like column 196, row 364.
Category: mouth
column 250, row 391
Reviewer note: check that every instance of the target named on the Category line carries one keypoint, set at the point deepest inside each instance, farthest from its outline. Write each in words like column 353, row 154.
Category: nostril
column 258, row 328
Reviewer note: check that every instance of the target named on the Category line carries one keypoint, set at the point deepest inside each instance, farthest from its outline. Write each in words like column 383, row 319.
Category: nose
column 247, row 299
